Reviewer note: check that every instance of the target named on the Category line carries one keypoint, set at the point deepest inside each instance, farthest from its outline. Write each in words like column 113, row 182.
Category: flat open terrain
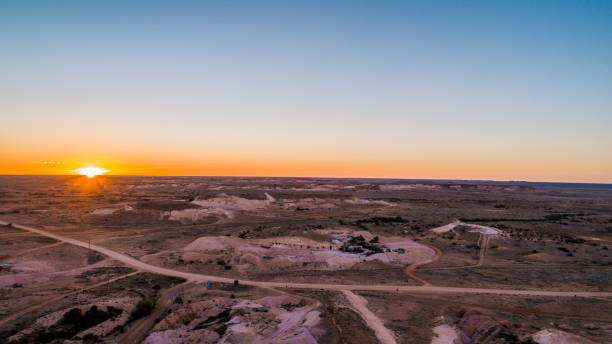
column 330, row 261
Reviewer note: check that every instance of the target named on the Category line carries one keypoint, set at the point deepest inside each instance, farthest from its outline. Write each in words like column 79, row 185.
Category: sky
column 501, row 90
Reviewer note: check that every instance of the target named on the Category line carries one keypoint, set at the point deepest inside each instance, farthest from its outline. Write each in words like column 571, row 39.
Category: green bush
column 143, row 308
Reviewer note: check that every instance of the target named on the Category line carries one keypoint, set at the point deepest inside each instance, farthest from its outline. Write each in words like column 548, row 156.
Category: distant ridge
column 375, row 180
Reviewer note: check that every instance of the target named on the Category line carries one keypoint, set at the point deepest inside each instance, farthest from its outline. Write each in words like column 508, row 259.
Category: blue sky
column 495, row 90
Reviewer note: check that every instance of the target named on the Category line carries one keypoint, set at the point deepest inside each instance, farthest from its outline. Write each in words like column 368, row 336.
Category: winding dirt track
column 483, row 243
column 410, row 269
column 135, row 263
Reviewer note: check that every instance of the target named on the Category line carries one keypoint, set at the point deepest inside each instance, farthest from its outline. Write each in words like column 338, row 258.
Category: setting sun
column 90, row 171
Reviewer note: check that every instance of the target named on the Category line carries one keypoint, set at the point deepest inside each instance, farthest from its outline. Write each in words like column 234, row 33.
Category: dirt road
column 138, row 331
column 483, row 243
column 384, row 335
column 335, row 287
column 410, row 269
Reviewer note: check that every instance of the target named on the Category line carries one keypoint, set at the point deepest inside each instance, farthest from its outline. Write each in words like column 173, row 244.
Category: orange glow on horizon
column 363, row 164
column 90, row 171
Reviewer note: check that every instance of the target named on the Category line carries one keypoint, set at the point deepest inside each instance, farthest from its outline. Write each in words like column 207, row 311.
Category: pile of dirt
column 445, row 334
column 362, row 201
column 234, row 203
column 398, row 187
column 275, row 254
column 192, row 216
column 310, row 203
column 221, row 243
column 272, row 319
column 554, row 336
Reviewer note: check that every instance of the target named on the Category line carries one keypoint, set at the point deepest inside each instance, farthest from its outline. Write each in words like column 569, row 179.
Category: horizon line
column 319, row 178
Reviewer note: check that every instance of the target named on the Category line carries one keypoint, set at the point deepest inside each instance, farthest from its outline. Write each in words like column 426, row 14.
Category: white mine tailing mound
column 104, row 211
column 112, row 210
column 369, row 201
column 295, row 242
column 309, row 202
column 276, row 325
column 396, row 187
column 216, row 243
column 446, row 228
column 477, row 228
column 444, row 334
column 342, row 232
column 286, row 251
column 316, row 188
column 554, row 336
column 186, row 216
column 483, row 229
column 226, row 202
column 223, row 205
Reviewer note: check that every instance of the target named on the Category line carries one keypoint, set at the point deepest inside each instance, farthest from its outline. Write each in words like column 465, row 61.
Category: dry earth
column 410, row 244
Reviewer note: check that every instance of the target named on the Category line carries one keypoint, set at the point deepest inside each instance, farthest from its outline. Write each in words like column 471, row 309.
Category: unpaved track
column 338, row 287
column 384, row 335
column 483, row 249
column 23, row 253
column 483, row 243
column 138, row 332
column 410, row 269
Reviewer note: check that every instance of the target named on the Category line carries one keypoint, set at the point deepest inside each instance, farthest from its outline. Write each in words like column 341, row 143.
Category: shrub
column 73, row 316
column 143, row 308
column 90, row 338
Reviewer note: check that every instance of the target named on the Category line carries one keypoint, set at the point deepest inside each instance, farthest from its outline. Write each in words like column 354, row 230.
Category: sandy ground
column 203, row 278
column 539, row 242
column 444, row 334
column 554, row 336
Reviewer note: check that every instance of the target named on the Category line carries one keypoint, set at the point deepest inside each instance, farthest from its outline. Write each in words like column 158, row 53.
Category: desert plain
column 301, row 260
